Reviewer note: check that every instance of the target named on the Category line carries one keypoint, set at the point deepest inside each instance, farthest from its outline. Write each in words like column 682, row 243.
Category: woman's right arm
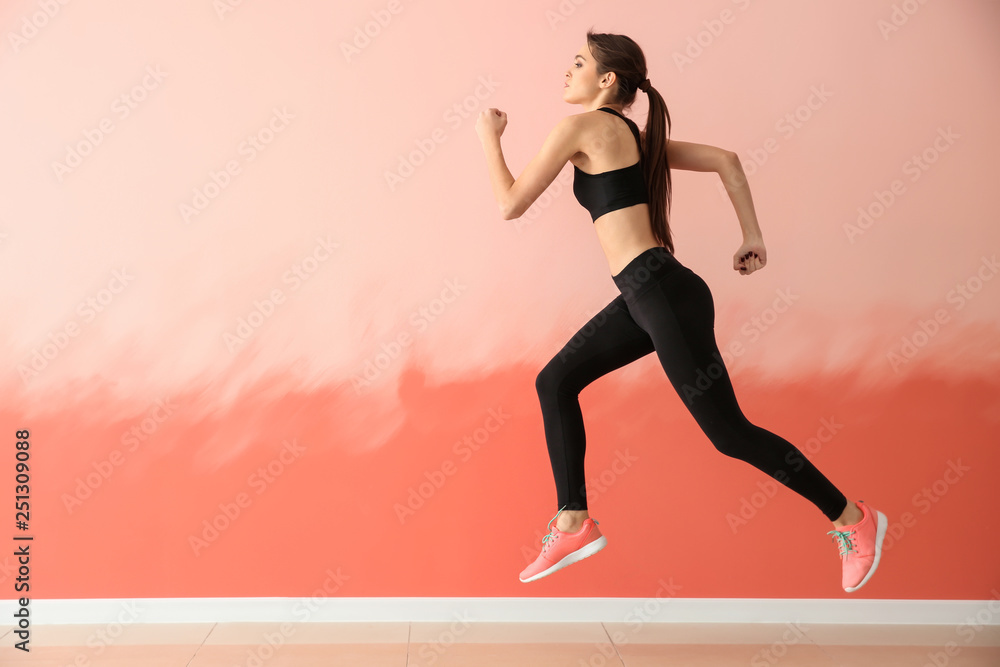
column 702, row 157
column 697, row 157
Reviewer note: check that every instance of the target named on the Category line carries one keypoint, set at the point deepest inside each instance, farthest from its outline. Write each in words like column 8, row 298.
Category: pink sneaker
column 861, row 547
column 560, row 549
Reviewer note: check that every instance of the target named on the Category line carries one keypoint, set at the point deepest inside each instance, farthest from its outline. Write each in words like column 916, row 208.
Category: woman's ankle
column 571, row 521
column 851, row 515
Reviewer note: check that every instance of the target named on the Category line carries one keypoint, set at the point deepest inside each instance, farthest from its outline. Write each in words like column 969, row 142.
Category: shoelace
column 846, row 543
column 552, row 535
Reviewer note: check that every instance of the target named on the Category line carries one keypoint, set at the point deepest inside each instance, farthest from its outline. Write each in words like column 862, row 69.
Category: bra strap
column 631, row 125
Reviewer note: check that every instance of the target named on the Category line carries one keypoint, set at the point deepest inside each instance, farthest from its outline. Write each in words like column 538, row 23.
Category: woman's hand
column 751, row 256
column 490, row 123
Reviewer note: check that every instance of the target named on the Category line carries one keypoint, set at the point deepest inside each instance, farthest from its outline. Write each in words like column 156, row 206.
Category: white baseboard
column 610, row 610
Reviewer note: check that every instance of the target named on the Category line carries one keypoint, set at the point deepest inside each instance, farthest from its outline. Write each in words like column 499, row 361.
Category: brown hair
column 621, row 55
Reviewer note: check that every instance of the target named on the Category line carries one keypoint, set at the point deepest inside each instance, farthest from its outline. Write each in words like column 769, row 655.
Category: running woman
column 622, row 177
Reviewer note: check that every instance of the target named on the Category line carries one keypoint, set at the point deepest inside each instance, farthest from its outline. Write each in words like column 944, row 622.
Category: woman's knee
column 550, row 380
column 730, row 437
column 730, row 446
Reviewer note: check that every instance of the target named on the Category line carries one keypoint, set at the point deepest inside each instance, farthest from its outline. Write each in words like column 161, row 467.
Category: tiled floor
column 494, row 644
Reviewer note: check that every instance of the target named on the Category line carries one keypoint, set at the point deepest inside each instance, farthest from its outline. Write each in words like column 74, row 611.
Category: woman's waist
column 646, row 269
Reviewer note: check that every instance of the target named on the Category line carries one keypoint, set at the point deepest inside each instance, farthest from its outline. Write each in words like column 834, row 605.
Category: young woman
column 622, row 177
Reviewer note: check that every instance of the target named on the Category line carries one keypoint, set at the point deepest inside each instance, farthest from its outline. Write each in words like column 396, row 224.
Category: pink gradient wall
column 265, row 326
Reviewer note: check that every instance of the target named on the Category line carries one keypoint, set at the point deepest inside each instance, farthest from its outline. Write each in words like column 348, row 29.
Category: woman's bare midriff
column 624, row 234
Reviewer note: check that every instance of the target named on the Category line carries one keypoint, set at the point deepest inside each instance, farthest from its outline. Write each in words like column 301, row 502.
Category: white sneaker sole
column 569, row 559
column 883, row 525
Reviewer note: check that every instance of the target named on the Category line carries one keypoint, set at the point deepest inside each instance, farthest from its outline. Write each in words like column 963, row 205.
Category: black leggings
column 666, row 307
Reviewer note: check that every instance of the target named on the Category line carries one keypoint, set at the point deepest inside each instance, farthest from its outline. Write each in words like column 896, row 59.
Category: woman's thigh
column 678, row 314
column 609, row 340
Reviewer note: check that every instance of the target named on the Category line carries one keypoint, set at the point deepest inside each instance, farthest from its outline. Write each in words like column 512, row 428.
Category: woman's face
column 582, row 82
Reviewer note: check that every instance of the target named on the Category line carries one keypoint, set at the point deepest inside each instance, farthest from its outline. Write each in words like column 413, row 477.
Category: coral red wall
column 322, row 364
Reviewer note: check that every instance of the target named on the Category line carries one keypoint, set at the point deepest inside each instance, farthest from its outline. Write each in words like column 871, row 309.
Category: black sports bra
column 615, row 189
